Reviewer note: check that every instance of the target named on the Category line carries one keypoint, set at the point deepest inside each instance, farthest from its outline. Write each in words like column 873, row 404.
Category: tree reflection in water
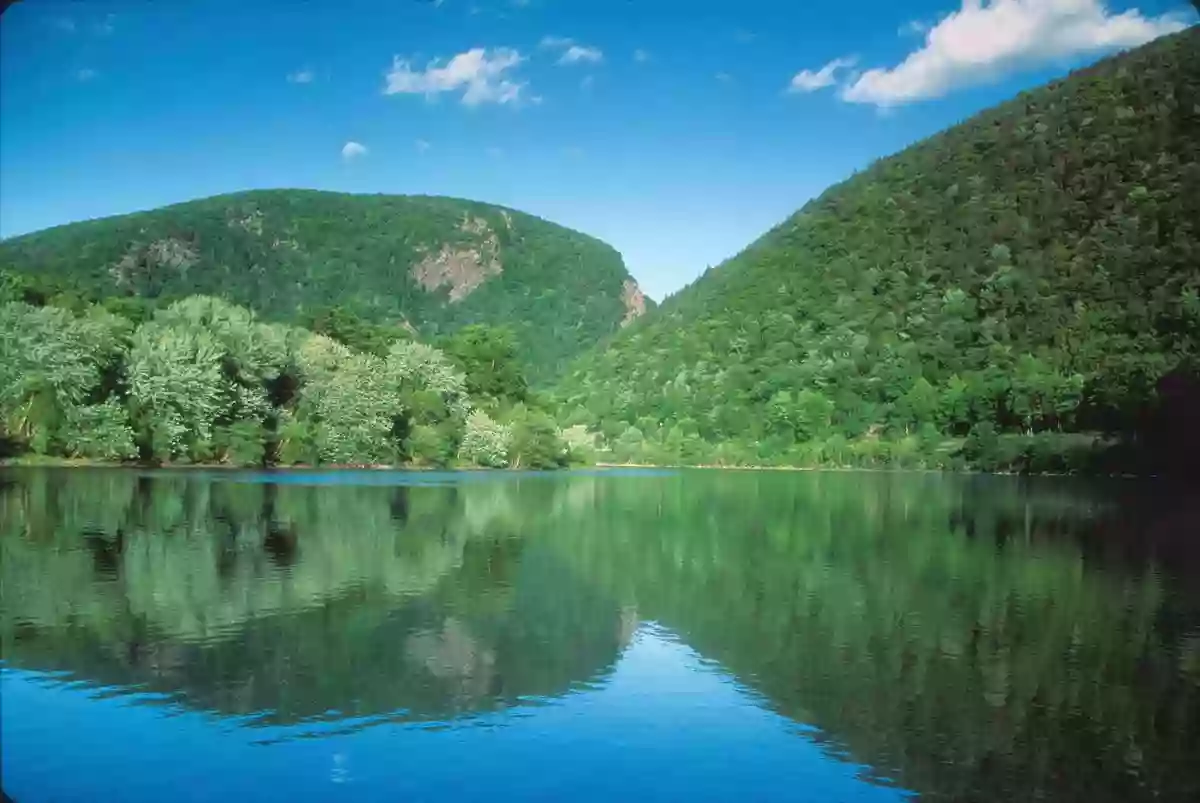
column 972, row 638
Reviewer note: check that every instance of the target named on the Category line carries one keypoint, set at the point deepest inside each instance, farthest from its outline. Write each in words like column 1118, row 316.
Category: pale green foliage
column 176, row 387
column 253, row 353
column 203, row 380
column 581, row 445
column 257, row 351
column 50, row 363
column 577, row 438
column 198, row 376
column 485, row 442
column 98, row 432
column 356, row 405
column 319, row 355
column 425, row 368
column 534, row 440
column 350, row 401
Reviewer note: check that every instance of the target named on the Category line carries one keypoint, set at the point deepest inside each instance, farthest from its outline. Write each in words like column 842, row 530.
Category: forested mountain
column 1033, row 270
column 433, row 264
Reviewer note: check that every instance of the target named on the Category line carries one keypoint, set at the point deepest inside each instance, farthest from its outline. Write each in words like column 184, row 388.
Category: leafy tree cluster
column 322, row 259
column 205, row 381
column 1031, row 272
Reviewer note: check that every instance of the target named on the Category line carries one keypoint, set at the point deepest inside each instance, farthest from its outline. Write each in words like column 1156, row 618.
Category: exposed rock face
column 474, row 225
column 141, row 261
column 250, row 219
column 461, row 267
column 252, row 222
column 635, row 302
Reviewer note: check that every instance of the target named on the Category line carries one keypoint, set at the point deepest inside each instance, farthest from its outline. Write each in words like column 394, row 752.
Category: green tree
column 812, row 414
column 534, row 441
column 98, row 432
column 53, row 362
column 919, row 405
column 488, row 357
column 484, row 442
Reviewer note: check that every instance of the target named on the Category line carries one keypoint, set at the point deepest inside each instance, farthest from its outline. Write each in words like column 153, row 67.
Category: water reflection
column 291, row 602
column 970, row 638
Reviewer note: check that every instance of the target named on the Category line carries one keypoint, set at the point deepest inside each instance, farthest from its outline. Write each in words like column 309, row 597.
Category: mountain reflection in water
column 965, row 638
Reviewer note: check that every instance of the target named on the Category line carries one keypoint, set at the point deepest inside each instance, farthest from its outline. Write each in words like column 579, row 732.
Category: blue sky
column 677, row 131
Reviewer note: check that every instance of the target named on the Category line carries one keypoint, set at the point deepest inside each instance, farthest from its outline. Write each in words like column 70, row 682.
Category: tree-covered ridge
column 1034, row 269
column 435, row 264
column 205, row 381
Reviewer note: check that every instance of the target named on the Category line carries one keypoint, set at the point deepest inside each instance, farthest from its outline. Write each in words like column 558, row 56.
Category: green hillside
column 1034, row 270
column 436, row 264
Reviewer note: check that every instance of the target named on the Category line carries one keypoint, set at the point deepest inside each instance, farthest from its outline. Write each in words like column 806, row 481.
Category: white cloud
column 913, row 28
column 423, row 145
column 582, row 54
column 100, row 27
column 353, row 150
column 481, row 75
column 305, row 76
column 724, row 78
column 86, row 74
column 641, row 56
column 811, row 81
column 573, row 52
column 983, row 42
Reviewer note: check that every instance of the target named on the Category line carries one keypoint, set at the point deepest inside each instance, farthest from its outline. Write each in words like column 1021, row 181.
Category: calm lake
column 597, row 636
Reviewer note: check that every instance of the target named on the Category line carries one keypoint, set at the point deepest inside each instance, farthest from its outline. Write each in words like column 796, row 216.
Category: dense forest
column 428, row 263
column 205, row 381
column 1020, row 292
column 1010, row 293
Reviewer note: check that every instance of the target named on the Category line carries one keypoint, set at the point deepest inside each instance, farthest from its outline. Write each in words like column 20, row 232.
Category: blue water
column 594, row 636
column 663, row 722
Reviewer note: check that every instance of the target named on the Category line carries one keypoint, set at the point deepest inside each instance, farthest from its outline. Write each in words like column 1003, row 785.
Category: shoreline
column 884, row 470
column 65, row 462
